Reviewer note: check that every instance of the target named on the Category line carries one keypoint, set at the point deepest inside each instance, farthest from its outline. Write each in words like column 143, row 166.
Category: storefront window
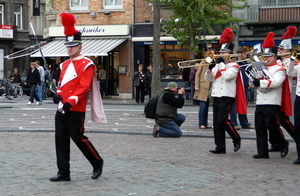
column 170, row 55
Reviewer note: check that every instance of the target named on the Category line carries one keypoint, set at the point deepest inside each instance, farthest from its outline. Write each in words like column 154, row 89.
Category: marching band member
column 294, row 71
column 223, row 73
column 77, row 76
column 285, row 47
column 268, row 103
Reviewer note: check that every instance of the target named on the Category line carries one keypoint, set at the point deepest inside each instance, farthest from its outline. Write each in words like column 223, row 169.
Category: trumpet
column 293, row 53
column 208, row 59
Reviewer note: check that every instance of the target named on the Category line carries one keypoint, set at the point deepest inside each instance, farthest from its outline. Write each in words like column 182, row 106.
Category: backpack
column 150, row 107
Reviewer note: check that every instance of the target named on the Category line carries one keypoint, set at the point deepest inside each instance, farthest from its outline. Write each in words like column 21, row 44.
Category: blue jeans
column 171, row 129
column 250, row 94
column 39, row 91
column 203, row 113
column 33, row 94
column 242, row 118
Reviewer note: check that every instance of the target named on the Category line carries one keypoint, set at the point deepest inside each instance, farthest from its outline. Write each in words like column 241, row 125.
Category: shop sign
column 90, row 30
column 6, row 31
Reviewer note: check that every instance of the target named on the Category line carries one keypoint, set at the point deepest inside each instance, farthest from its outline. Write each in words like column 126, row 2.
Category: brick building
column 106, row 36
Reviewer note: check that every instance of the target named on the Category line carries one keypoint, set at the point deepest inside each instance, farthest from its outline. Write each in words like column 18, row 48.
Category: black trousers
column 140, row 93
column 286, row 124
column 221, row 110
column 71, row 125
column 297, row 123
column 267, row 119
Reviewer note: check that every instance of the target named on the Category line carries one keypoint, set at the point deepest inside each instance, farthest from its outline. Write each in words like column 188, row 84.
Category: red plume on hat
column 227, row 36
column 68, row 21
column 291, row 31
column 269, row 41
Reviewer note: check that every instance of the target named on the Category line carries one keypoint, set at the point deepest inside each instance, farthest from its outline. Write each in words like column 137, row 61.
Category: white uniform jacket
column 286, row 62
column 294, row 71
column 224, row 79
column 274, row 95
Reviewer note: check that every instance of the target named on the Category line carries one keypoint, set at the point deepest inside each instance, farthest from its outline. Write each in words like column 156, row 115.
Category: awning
column 90, row 47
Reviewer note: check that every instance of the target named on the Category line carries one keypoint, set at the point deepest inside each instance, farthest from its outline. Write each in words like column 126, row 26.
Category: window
column 1, row 14
column 280, row 3
column 18, row 16
column 40, row 21
column 113, row 4
column 79, row 4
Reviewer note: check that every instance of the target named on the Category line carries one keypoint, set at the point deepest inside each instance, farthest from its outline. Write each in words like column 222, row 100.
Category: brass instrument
column 293, row 54
column 257, row 69
column 208, row 60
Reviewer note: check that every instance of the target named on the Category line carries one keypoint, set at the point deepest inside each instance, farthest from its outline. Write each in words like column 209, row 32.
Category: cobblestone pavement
column 135, row 162
column 143, row 165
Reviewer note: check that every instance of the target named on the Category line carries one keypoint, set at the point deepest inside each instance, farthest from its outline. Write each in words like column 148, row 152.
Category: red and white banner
column 6, row 31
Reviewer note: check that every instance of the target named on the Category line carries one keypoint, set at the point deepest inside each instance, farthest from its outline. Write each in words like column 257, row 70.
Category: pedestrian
column 34, row 80
column 242, row 52
column 40, row 88
column 202, row 92
column 54, row 73
column 223, row 73
column 103, row 80
column 269, row 101
column 168, row 121
column 192, row 83
column 139, row 84
column 185, row 78
column 15, row 77
column 149, row 79
column 76, row 78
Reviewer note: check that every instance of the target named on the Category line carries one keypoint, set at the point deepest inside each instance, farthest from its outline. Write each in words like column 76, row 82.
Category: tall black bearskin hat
column 73, row 37
column 225, row 39
column 269, row 45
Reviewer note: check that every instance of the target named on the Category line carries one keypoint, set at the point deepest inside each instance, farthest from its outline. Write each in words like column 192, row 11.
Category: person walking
column 224, row 74
column 139, row 84
column 40, row 88
column 76, row 78
column 269, row 100
column 34, row 79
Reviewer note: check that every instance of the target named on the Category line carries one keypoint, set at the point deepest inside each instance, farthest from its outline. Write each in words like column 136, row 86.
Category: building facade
column 14, row 30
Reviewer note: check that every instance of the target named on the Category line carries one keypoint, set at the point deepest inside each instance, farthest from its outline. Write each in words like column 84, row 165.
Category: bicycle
column 12, row 91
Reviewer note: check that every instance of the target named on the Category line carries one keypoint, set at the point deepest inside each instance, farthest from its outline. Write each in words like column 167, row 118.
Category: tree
column 193, row 19
column 155, row 86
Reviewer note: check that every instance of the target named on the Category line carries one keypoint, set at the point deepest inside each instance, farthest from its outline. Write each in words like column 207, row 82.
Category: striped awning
column 90, row 47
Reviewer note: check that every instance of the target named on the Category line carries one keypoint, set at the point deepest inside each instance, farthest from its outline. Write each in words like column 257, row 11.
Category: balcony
column 271, row 13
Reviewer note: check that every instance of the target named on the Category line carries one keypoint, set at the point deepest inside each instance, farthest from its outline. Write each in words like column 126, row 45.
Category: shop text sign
column 90, row 30
column 6, row 31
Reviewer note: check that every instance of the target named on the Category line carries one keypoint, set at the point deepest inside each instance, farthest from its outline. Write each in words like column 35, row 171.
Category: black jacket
column 33, row 77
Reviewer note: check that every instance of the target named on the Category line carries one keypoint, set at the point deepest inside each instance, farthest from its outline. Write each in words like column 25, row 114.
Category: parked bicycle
column 12, row 91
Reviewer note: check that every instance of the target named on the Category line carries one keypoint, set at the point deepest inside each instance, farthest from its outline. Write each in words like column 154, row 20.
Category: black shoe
column 273, row 149
column 60, row 177
column 236, row 145
column 285, row 150
column 216, row 151
column 97, row 172
column 261, row 156
column 296, row 161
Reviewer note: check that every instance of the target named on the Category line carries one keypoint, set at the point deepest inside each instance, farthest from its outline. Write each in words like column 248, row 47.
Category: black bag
column 150, row 107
